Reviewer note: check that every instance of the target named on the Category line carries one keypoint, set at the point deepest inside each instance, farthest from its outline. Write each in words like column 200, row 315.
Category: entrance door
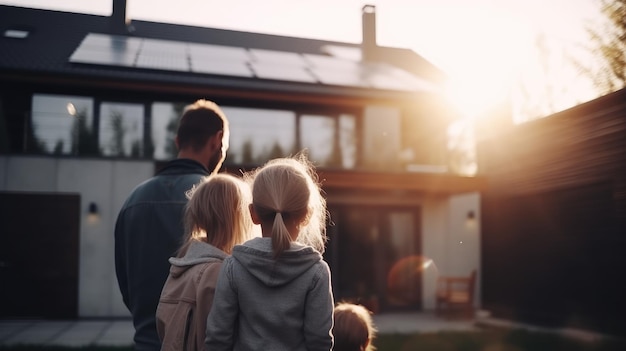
column 374, row 254
column 39, row 255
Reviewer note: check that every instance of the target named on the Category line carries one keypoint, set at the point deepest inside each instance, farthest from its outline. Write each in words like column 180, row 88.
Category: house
column 87, row 108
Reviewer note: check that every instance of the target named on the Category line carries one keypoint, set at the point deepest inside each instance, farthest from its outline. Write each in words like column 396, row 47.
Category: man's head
column 203, row 134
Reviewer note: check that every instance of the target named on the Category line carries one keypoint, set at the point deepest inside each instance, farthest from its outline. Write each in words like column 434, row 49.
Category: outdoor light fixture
column 470, row 220
column 93, row 216
column 93, row 208
column 471, row 216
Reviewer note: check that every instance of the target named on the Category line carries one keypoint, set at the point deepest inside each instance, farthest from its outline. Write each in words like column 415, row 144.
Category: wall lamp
column 93, row 216
column 93, row 208
column 470, row 220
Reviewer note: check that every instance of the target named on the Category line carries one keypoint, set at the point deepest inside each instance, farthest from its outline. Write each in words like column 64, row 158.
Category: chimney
column 119, row 22
column 368, row 45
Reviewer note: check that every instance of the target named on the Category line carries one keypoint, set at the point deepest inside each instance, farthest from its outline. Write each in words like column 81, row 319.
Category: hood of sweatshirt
column 198, row 252
column 256, row 257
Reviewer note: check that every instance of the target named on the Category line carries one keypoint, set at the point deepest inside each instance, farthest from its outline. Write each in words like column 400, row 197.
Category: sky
column 483, row 45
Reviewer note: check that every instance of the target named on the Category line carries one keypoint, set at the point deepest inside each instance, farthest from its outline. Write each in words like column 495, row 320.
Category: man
column 149, row 228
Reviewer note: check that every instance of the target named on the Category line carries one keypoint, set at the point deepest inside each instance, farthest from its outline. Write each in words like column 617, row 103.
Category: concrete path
column 119, row 332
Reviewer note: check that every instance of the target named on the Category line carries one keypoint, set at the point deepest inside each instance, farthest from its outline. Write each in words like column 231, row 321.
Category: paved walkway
column 119, row 332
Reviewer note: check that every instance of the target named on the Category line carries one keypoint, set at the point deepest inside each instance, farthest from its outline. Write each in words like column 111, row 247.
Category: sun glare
column 490, row 60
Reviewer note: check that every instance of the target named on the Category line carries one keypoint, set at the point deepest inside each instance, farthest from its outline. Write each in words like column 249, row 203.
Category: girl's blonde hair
column 286, row 189
column 353, row 328
column 217, row 213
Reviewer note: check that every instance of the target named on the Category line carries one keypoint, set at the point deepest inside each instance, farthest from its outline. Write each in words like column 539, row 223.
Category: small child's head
column 286, row 198
column 353, row 328
column 217, row 212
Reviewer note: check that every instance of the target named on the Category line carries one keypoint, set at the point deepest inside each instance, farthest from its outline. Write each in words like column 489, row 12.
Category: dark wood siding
column 554, row 218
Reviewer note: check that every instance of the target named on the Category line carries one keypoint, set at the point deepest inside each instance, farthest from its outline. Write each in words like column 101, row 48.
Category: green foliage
column 117, row 142
column 87, row 142
column 276, row 151
column 491, row 340
column 246, row 153
column 609, row 44
column 482, row 340
column 58, row 148
column 170, row 144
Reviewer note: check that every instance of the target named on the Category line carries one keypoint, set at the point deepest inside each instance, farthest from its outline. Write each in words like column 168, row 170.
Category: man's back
column 148, row 232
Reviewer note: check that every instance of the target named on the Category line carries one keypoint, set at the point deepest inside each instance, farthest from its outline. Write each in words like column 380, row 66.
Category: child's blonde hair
column 353, row 328
column 286, row 189
column 217, row 213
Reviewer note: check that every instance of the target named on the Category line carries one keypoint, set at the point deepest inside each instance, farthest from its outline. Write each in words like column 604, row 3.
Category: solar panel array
column 168, row 55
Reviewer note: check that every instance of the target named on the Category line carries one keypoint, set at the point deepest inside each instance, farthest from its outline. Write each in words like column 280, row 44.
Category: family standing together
column 214, row 261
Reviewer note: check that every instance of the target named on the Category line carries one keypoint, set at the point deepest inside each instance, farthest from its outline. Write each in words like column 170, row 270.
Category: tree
column 609, row 44
column 276, row 151
column 87, row 142
column 119, row 131
column 247, row 156
column 170, row 145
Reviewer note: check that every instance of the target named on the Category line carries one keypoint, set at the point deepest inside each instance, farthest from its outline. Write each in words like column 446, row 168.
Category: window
column 257, row 135
column 61, row 125
column 330, row 141
column 121, row 129
column 381, row 130
column 165, row 117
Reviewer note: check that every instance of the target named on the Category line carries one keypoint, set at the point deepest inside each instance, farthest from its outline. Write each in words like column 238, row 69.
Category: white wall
column 463, row 245
column 434, row 236
column 106, row 183
column 452, row 245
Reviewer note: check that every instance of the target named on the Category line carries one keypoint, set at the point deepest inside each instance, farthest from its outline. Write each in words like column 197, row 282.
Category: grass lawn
column 492, row 340
column 486, row 340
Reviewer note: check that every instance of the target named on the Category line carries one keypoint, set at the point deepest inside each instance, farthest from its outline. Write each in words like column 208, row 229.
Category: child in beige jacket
column 216, row 219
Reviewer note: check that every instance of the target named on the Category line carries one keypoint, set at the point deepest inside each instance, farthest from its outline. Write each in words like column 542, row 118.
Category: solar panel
column 281, row 58
column 330, row 62
column 103, row 58
column 107, row 50
column 169, row 55
column 219, row 52
column 112, row 42
column 278, row 72
column 172, row 63
column 222, row 67
column 379, row 76
column 347, row 77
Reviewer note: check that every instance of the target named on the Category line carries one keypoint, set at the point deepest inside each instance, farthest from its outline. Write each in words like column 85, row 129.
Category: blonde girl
column 216, row 219
column 274, row 292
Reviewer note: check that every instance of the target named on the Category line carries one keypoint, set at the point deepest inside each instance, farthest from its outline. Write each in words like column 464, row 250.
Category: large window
column 86, row 126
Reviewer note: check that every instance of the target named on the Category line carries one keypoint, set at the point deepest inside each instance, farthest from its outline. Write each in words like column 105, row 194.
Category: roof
column 54, row 36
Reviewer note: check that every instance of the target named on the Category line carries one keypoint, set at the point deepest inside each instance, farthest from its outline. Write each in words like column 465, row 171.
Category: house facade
column 88, row 109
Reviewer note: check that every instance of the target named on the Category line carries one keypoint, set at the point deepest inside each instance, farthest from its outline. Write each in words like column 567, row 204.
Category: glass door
column 374, row 254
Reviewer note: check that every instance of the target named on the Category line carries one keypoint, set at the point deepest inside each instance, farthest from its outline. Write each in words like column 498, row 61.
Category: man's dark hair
column 200, row 121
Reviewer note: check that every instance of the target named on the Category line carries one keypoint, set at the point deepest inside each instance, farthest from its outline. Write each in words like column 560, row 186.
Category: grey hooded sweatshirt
column 266, row 304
